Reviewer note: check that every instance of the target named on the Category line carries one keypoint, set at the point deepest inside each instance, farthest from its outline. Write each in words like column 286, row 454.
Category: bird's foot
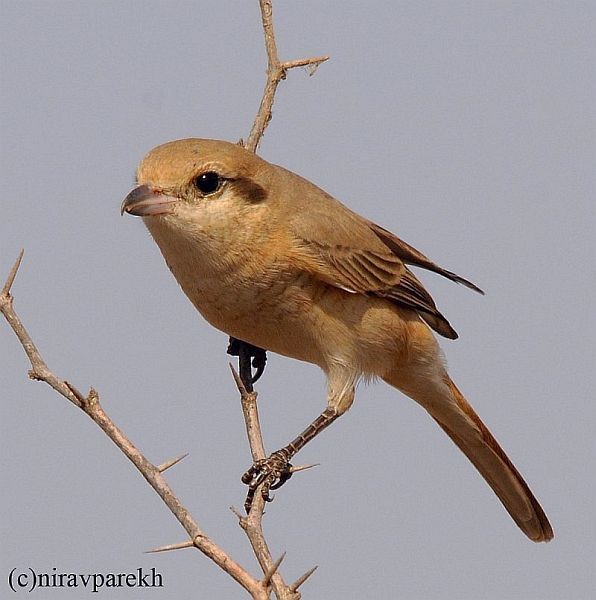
column 269, row 473
column 257, row 355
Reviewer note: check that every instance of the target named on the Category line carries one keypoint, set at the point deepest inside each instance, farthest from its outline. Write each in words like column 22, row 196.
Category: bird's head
column 199, row 186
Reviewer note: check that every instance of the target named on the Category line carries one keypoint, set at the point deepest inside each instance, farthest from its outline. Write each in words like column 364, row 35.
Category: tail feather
column 478, row 444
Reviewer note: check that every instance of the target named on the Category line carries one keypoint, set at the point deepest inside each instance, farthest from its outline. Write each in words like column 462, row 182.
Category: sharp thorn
column 239, row 383
column 12, row 274
column 303, row 467
column 260, row 370
column 170, row 463
column 178, row 546
column 294, row 587
column 238, row 514
column 272, row 570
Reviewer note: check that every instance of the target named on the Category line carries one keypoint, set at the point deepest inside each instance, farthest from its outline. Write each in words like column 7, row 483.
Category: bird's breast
column 249, row 292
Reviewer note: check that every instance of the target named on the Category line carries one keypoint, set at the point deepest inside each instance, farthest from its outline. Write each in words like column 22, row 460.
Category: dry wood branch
column 90, row 404
column 276, row 71
column 252, row 523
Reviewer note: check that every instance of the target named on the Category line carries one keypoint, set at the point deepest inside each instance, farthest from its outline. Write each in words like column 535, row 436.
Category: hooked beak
column 144, row 201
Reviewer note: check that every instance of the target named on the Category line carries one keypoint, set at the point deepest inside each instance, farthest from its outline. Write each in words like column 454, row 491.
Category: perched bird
column 271, row 259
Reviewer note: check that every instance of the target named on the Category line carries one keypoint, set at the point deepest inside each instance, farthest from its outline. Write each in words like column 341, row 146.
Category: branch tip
column 34, row 375
column 13, row 273
column 92, row 398
column 238, row 514
column 239, row 383
column 170, row 463
column 313, row 62
column 294, row 587
column 276, row 72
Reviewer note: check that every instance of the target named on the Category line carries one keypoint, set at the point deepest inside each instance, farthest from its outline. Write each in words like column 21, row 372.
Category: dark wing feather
column 352, row 253
column 411, row 293
column 357, row 270
column 375, row 273
column 411, row 256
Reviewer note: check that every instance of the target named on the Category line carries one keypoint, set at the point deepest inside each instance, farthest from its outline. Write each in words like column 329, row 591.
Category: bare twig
column 251, row 418
column 92, row 407
column 276, row 71
column 90, row 404
column 252, row 523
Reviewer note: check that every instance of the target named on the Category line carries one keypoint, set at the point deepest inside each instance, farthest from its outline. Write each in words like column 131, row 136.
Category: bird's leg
column 272, row 472
column 246, row 353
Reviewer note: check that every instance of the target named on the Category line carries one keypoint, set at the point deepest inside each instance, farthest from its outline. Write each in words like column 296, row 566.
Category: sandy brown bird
column 269, row 258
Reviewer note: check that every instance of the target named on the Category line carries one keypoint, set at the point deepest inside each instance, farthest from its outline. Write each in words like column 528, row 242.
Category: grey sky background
column 467, row 128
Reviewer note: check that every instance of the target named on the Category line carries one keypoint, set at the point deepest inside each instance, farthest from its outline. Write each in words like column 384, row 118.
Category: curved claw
column 260, row 369
column 270, row 473
column 283, row 477
column 259, row 360
column 258, row 356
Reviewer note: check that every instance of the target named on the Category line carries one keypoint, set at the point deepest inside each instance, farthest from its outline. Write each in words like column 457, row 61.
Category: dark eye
column 209, row 182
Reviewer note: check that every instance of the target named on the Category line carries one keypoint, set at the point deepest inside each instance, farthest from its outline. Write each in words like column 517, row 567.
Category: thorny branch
column 252, row 523
column 276, row 71
column 90, row 404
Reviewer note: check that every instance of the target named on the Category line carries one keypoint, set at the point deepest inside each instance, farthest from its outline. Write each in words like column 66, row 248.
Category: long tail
column 464, row 427
column 499, row 472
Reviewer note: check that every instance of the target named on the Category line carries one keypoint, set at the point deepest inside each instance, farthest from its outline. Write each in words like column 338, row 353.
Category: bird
column 271, row 259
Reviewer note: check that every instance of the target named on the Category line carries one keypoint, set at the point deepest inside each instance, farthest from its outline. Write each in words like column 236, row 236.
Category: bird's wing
column 411, row 256
column 358, row 256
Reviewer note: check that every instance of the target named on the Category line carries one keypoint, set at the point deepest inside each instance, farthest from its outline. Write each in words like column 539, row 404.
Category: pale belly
column 312, row 321
column 278, row 316
column 291, row 313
